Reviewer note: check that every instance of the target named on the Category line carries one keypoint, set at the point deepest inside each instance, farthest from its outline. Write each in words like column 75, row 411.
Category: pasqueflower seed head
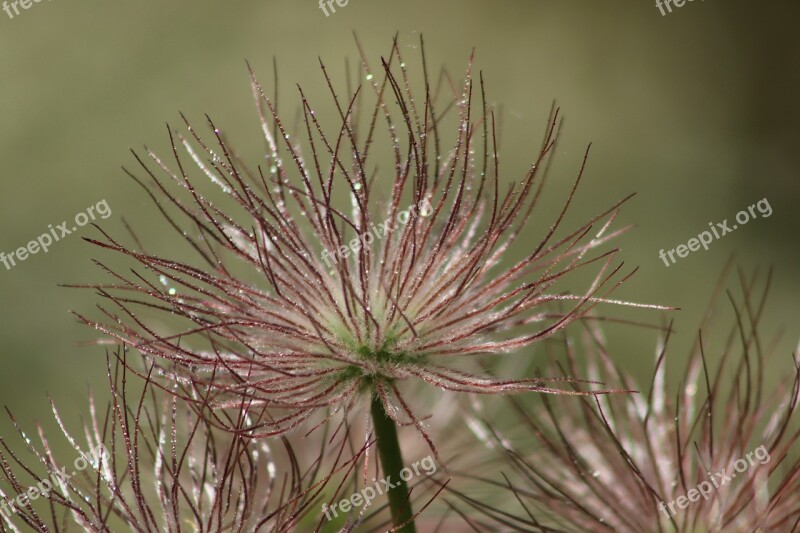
column 151, row 463
column 721, row 456
column 318, row 284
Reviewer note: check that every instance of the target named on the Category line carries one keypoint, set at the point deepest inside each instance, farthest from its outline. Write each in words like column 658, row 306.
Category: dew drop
column 369, row 76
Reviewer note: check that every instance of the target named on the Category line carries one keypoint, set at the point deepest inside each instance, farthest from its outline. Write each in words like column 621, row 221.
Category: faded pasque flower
column 721, row 457
column 320, row 285
column 301, row 303
column 152, row 463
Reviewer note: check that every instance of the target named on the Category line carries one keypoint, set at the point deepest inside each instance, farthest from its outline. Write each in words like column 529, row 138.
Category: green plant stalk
column 392, row 462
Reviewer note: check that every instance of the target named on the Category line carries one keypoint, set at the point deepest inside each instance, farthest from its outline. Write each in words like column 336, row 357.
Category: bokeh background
column 696, row 111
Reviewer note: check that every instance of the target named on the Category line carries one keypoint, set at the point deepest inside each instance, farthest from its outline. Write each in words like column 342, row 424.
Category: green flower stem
column 392, row 462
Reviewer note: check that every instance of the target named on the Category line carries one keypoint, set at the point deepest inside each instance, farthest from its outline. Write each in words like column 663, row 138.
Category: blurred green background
column 695, row 111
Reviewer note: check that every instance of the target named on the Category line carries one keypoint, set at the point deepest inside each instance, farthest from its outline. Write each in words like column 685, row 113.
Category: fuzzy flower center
column 382, row 355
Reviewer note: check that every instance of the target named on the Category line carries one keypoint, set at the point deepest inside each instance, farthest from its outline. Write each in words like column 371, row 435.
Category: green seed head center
column 381, row 355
